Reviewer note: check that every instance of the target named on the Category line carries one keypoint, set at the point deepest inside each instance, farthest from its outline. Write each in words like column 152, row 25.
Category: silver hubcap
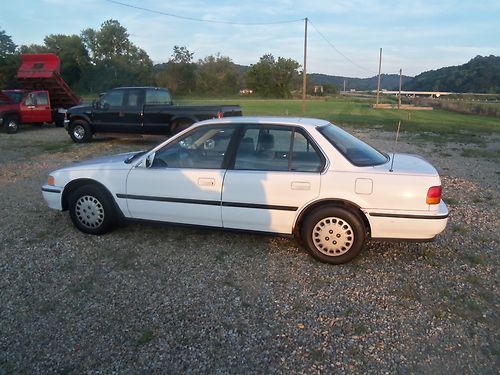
column 89, row 211
column 333, row 236
column 12, row 125
column 79, row 132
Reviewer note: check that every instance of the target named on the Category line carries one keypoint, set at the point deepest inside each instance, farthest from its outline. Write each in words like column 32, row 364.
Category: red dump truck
column 43, row 97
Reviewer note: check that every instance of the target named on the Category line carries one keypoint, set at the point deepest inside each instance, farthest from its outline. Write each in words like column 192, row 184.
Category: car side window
column 203, row 148
column 133, row 98
column 113, row 99
column 276, row 149
column 30, row 99
column 42, row 98
column 158, row 97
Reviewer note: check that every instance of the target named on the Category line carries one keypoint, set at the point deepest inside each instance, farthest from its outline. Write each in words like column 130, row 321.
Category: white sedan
column 297, row 176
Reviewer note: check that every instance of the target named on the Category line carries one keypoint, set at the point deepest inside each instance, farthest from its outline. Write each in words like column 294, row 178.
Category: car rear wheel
column 11, row 124
column 79, row 131
column 333, row 234
column 92, row 210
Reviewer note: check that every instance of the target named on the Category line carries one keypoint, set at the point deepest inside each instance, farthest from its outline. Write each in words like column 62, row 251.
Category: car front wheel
column 333, row 234
column 11, row 124
column 91, row 209
column 80, row 132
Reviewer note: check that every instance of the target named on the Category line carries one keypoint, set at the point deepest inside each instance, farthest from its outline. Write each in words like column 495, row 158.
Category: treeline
column 479, row 75
column 97, row 60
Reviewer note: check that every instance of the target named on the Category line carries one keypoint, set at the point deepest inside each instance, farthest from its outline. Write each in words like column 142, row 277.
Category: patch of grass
column 145, row 337
column 480, row 153
column 476, row 260
column 451, row 201
column 473, row 279
column 460, row 229
column 437, row 126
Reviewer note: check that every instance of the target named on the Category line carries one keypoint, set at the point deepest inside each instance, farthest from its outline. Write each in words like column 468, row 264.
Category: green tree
column 217, row 75
column 9, row 60
column 115, row 60
column 73, row 54
column 271, row 77
column 178, row 74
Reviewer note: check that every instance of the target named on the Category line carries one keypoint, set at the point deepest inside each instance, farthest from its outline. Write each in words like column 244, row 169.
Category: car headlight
column 51, row 181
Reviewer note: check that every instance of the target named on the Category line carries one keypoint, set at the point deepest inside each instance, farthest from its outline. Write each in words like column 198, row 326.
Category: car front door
column 276, row 172
column 184, row 182
column 108, row 116
column 36, row 107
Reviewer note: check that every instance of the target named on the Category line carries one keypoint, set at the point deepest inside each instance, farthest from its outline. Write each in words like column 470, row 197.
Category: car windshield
column 355, row 150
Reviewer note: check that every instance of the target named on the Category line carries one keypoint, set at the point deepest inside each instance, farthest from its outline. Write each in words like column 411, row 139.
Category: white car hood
column 107, row 162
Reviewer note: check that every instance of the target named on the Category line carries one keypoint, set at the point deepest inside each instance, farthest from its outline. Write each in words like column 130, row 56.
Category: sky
column 344, row 36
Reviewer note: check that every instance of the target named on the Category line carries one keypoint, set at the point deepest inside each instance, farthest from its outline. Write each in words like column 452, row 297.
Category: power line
column 202, row 20
column 339, row 52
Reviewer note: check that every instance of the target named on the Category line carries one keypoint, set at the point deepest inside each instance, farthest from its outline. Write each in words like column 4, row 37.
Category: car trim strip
column 399, row 216
column 207, row 202
column 51, row 190
column 259, row 206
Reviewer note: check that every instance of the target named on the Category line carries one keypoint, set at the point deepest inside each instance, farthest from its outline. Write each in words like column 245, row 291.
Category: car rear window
column 355, row 150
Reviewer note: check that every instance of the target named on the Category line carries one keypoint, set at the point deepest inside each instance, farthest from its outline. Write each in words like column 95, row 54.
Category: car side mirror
column 105, row 106
column 149, row 160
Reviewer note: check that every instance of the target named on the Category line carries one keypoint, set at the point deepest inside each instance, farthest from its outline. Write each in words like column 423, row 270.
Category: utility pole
column 344, row 86
column 400, row 83
column 379, row 69
column 304, row 78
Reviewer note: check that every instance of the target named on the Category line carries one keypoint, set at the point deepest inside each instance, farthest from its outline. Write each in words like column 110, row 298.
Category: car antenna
column 395, row 144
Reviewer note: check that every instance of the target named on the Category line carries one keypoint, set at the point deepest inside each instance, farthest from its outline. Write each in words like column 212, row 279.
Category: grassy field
column 358, row 113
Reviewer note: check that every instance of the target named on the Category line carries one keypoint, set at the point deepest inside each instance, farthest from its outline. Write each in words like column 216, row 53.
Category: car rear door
column 184, row 182
column 276, row 172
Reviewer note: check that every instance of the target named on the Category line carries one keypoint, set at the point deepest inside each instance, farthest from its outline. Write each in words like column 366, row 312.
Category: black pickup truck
column 139, row 110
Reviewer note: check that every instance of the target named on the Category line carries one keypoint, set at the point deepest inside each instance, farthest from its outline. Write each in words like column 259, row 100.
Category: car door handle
column 206, row 181
column 300, row 185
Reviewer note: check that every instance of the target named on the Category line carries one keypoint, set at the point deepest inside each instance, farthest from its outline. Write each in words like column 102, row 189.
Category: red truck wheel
column 11, row 124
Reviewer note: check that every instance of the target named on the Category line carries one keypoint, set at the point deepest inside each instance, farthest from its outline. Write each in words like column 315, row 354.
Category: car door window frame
column 186, row 153
column 294, row 130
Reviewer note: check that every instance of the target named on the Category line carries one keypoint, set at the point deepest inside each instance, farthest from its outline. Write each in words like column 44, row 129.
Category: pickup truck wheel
column 79, row 131
column 333, row 235
column 11, row 124
column 91, row 209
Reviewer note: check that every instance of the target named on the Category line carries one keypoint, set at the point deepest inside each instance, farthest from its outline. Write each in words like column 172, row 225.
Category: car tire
column 80, row 132
column 333, row 235
column 11, row 124
column 92, row 210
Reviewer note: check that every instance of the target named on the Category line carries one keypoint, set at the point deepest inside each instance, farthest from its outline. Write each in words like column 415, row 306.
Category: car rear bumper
column 408, row 226
column 52, row 196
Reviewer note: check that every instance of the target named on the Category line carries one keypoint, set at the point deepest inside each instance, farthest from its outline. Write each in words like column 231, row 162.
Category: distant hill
column 479, row 75
column 387, row 81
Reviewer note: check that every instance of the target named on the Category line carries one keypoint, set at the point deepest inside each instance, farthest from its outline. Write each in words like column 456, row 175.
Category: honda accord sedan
column 290, row 176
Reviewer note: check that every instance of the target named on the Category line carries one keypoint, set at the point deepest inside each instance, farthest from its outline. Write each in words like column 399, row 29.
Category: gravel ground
column 158, row 298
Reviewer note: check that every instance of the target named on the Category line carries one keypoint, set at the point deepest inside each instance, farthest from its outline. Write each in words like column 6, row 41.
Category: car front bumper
column 53, row 196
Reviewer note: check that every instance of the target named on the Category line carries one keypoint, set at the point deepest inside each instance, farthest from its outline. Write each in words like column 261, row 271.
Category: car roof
column 270, row 120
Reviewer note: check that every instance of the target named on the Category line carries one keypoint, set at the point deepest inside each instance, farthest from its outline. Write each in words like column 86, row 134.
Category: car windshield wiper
column 131, row 158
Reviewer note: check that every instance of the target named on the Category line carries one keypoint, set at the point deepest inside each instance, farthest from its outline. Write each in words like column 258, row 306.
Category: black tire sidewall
column 7, row 121
column 105, row 198
column 354, row 221
column 88, row 133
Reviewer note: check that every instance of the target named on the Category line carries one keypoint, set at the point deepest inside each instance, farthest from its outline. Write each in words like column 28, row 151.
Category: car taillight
column 220, row 114
column 434, row 195
column 51, row 181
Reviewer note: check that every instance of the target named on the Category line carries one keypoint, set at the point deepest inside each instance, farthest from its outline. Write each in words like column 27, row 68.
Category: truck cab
column 19, row 106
